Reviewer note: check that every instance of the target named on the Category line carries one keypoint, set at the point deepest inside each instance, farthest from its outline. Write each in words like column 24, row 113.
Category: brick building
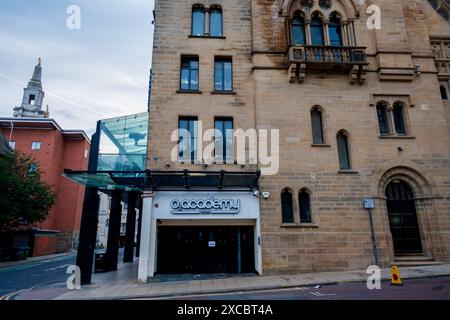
column 361, row 112
column 32, row 132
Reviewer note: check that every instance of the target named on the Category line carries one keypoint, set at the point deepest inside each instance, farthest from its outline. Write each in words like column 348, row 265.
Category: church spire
column 33, row 97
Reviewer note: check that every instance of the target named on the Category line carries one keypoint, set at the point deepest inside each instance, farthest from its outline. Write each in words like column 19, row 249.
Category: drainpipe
column 11, row 132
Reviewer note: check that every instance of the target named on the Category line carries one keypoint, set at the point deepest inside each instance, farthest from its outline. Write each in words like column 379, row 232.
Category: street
column 414, row 289
column 44, row 279
column 47, row 278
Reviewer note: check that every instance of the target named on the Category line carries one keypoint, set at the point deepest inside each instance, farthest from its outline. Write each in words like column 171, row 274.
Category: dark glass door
column 403, row 218
column 208, row 249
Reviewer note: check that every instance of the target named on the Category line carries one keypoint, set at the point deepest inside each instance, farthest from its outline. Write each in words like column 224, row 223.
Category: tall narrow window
column 223, row 140
column 298, row 30
column 399, row 121
column 189, row 74
column 187, row 138
column 223, row 74
column 334, row 28
column 444, row 94
column 343, row 151
column 317, row 38
column 382, row 119
column 317, row 126
column 305, row 207
column 198, row 21
column 286, row 207
column 215, row 22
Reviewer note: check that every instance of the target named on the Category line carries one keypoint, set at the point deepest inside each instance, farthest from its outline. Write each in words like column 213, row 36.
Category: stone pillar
column 131, row 228
column 115, row 217
column 138, row 237
column 147, row 248
column 344, row 34
column 326, row 33
column 308, row 32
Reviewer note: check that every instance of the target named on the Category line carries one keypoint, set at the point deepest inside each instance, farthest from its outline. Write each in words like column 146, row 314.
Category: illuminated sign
column 206, row 206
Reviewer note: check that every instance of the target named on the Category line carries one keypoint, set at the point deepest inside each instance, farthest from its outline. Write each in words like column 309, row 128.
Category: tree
column 24, row 199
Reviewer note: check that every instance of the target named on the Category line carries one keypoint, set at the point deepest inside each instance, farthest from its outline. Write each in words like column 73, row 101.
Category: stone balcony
column 328, row 59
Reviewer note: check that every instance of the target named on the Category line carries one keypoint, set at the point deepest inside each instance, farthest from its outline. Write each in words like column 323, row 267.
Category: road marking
column 14, row 294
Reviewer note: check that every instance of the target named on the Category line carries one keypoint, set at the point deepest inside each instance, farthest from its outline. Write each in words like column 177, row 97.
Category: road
column 414, row 289
column 44, row 279
column 46, row 276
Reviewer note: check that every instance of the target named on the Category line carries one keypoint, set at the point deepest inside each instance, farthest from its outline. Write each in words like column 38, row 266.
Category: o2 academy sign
column 206, row 206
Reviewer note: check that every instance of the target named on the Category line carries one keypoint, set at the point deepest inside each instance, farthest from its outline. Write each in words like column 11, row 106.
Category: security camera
column 265, row 195
column 256, row 193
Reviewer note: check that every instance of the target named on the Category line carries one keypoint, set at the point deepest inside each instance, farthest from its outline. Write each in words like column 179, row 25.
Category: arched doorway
column 403, row 222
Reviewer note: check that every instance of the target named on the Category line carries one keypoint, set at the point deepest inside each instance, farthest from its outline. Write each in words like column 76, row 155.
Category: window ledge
column 206, row 37
column 322, row 145
column 396, row 137
column 189, row 91
column 299, row 225
column 224, row 92
column 348, row 171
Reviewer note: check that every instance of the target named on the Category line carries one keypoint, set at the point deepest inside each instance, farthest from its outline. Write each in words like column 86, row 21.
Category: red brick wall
column 55, row 155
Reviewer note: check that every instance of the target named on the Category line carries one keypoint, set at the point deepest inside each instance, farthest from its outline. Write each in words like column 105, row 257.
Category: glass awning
column 165, row 180
column 123, row 143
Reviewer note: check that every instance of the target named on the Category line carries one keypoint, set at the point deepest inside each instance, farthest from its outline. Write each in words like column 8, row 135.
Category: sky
column 98, row 71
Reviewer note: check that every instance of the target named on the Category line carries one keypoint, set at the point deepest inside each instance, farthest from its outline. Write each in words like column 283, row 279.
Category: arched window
column 215, row 22
column 316, row 25
column 334, row 30
column 343, row 151
column 305, row 206
column 382, row 119
column 286, row 207
column 198, row 20
column 317, row 126
column 298, row 30
column 399, row 120
column 444, row 94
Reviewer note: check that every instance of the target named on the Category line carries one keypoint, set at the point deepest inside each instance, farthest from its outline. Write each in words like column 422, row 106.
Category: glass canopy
column 123, row 143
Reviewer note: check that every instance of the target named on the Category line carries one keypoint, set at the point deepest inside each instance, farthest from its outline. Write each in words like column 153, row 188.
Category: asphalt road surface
column 44, row 279
column 414, row 289
column 46, row 276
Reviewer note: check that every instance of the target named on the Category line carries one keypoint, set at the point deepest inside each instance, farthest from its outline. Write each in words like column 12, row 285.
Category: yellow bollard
column 395, row 279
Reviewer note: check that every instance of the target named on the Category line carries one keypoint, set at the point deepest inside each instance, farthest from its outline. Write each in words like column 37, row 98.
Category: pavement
column 123, row 285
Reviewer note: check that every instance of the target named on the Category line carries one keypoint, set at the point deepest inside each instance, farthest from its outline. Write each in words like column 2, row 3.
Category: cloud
column 98, row 72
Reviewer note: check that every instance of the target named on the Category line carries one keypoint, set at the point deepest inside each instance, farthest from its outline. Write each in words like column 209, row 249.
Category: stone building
column 362, row 112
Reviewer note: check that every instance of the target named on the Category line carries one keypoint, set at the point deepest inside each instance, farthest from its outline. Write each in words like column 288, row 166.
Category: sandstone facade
column 269, row 92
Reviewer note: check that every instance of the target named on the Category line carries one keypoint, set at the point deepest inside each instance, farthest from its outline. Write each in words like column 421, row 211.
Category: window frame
column 348, row 163
column 287, row 217
column 335, row 23
column 301, row 208
column 224, row 143
column 189, row 59
column 384, row 106
column 222, row 60
column 219, row 9
column 36, row 145
column 318, row 110
column 318, row 17
column 299, row 16
column 402, row 118
column 193, row 139
column 195, row 8
column 444, row 92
